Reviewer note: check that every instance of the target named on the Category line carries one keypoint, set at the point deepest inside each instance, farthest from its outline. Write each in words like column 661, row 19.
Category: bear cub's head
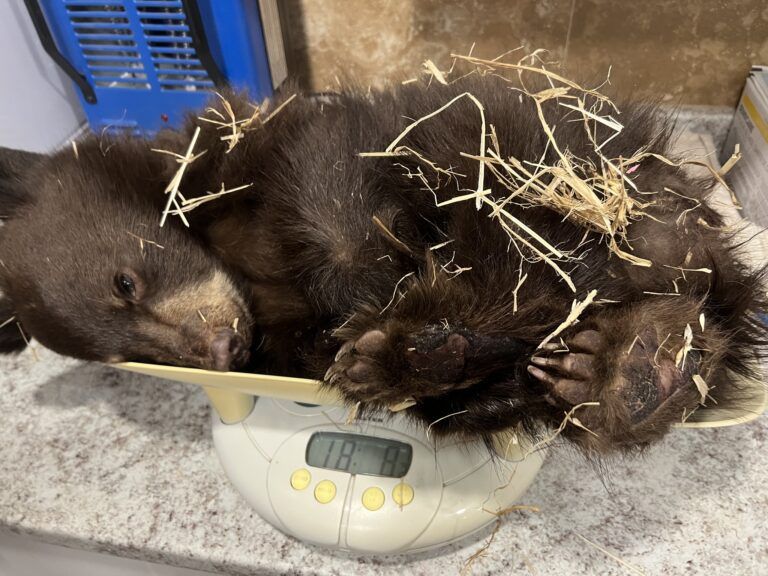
column 86, row 269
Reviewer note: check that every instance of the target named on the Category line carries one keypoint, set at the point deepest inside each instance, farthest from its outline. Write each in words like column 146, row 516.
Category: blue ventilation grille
column 116, row 58
column 107, row 43
column 174, row 59
column 150, row 61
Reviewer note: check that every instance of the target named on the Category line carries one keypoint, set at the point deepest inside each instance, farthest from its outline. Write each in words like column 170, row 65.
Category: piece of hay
column 731, row 162
column 632, row 345
column 451, row 415
column 233, row 124
column 687, row 414
column 483, row 550
column 715, row 174
column 389, row 235
column 435, row 72
column 352, row 415
column 26, row 341
column 684, row 270
column 520, row 281
column 631, row 567
column 481, row 174
column 143, row 241
column 516, row 508
column 682, row 354
column 395, row 292
column 189, row 204
column 702, row 387
column 456, row 270
column 400, row 406
column 659, row 348
column 492, row 65
column 441, row 245
column 279, row 109
column 343, row 324
column 576, row 309
column 237, row 126
column 517, row 237
column 568, row 418
column 172, row 190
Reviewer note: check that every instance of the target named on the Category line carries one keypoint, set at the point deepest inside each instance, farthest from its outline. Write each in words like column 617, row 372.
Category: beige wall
column 692, row 52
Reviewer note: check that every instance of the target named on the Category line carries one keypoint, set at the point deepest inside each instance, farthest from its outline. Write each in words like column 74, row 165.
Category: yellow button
column 325, row 491
column 300, row 479
column 373, row 498
column 402, row 494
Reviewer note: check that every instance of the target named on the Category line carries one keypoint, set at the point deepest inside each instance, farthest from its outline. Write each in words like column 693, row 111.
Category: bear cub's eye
column 127, row 285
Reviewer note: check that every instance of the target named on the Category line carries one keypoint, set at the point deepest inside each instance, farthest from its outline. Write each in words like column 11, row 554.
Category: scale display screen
column 359, row 454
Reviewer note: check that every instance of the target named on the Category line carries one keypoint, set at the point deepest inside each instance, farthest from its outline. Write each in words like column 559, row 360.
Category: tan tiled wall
column 691, row 52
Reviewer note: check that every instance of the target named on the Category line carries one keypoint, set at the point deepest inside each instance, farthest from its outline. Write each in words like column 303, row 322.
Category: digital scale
column 368, row 485
column 365, row 486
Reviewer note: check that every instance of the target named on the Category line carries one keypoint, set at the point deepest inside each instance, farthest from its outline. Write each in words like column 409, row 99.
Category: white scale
column 367, row 486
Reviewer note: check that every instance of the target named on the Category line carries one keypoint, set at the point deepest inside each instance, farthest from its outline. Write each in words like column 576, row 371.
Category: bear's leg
column 438, row 338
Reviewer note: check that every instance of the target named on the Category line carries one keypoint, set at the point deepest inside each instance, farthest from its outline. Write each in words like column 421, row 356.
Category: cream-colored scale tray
column 231, row 394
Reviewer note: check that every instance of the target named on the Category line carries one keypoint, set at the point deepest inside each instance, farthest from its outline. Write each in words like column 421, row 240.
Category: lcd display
column 359, row 454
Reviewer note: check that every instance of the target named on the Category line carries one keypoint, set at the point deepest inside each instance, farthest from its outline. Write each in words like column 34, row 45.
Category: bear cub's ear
column 13, row 164
column 11, row 339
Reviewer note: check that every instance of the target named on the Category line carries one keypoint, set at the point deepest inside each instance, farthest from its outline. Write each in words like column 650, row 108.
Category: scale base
column 450, row 490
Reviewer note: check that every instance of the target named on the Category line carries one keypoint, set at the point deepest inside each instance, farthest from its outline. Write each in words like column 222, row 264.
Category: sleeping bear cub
column 356, row 271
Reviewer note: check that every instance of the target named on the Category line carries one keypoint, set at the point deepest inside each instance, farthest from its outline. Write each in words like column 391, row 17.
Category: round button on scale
column 402, row 494
column 300, row 479
column 373, row 498
column 325, row 491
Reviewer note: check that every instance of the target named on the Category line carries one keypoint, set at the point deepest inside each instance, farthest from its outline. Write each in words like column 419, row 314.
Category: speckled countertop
column 104, row 460
column 99, row 459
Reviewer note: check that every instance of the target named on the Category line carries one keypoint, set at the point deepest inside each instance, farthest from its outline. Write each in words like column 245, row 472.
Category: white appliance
column 367, row 486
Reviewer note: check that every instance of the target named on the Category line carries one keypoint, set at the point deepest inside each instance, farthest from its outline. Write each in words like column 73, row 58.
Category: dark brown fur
column 322, row 275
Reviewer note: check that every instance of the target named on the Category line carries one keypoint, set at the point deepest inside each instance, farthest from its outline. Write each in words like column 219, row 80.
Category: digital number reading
column 358, row 454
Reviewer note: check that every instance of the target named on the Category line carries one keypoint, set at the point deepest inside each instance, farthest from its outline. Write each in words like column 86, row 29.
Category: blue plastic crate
column 141, row 64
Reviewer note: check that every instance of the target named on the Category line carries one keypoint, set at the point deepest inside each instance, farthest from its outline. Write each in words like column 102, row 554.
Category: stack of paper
column 749, row 177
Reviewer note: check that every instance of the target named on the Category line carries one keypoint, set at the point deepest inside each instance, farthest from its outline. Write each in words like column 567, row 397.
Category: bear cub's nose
column 228, row 350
